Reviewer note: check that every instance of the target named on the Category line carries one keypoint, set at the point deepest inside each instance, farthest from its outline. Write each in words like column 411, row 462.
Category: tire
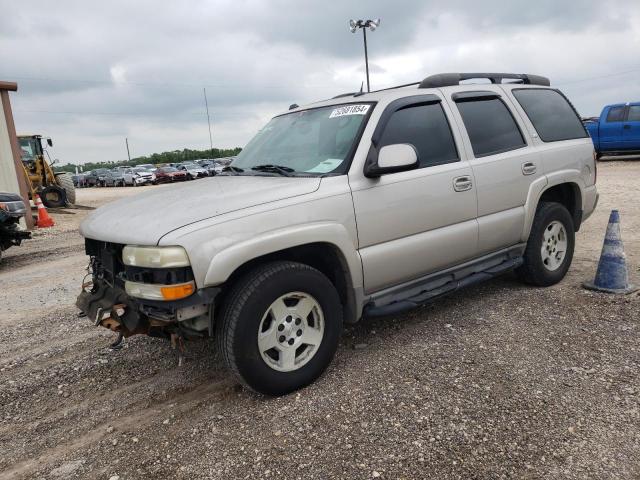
column 248, row 309
column 53, row 196
column 65, row 180
column 536, row 269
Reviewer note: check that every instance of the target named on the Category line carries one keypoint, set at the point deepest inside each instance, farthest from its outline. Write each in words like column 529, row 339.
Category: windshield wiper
column 232, row 169
column 279, row 169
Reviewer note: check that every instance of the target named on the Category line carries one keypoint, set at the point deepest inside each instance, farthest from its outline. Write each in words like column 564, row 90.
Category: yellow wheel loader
column 55, row 189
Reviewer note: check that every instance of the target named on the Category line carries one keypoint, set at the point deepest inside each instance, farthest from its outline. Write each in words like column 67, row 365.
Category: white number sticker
column 350, row 110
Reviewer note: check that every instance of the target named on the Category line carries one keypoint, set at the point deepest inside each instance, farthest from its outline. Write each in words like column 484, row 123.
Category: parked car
column 617, row 130
column 170, row 174
column 114, row 178
column 12, row 209
column 137, row 176
column 80, row 180
column 193, row 170
column 358, row 206
column 217, row 166
column 96, row 178
column 147, row 166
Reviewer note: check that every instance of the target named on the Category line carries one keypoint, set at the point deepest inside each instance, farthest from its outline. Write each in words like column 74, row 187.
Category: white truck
column 361, row 205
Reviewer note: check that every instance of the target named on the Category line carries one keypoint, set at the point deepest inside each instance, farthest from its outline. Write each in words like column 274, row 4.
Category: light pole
column 206, row 104
column 126, row 140
column 364, row 24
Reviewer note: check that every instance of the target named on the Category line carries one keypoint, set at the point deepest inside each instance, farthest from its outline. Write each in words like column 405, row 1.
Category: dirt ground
column 498, row 381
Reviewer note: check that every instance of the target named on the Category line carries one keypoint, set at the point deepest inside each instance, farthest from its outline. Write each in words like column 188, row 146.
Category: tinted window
column 490, row 126
column 616, row 114
column 551, row 114
column 427, row 129
column 634, row 113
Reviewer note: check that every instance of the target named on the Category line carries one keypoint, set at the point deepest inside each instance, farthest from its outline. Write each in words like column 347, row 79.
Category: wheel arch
column 565, row 188
column 569, row 195
column 325, row 247
column 324, row 257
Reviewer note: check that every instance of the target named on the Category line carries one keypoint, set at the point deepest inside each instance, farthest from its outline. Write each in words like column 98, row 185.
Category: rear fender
column 540, row 185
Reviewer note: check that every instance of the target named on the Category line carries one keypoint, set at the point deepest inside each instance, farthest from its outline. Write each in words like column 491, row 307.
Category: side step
column 434, row 286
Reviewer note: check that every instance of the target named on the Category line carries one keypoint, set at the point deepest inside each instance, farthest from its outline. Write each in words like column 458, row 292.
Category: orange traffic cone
column 44, row 220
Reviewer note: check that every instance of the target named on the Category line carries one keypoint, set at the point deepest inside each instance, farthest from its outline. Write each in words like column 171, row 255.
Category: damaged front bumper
column 109, row 300
column 110, row 307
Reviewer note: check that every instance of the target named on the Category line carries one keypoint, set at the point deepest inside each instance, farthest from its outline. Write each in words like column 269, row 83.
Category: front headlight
column 155, row 257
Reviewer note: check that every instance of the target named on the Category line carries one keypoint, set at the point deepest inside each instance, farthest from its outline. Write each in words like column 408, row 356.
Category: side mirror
column 49, row 142
column 391, row 159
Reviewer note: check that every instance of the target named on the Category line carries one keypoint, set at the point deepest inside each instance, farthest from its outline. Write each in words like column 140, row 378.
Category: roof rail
column 448, row 79
column 350, row 94
column 397, row 86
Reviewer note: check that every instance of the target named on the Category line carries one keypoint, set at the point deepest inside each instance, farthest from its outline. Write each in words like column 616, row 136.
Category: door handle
column 529, row 168
column 627, row 127
column 462, row 184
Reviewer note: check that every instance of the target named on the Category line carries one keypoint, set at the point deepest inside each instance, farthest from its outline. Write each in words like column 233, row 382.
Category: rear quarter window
column 634, row 113
column 551, row 114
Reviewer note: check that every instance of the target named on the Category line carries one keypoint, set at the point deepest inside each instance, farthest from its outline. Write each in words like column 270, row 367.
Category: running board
column 422, row 291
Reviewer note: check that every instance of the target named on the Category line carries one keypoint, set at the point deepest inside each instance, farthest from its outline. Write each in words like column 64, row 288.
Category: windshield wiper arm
column 232, row 169
column 279, row 169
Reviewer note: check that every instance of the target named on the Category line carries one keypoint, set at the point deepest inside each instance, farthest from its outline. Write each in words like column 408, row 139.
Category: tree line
column 174, row 156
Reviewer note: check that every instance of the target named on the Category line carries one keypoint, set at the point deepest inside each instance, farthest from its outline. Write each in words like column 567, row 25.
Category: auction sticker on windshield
column 350, row 110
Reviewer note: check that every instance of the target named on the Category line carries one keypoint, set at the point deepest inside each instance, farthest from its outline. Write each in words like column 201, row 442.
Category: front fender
column 226, row 261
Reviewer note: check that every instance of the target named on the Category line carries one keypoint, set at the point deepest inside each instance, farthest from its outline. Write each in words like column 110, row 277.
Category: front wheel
column 550, row 246
column 279, row 327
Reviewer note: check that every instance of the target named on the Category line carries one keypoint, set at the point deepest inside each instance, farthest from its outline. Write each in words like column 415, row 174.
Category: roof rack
column 449, row 79
column 350, row 94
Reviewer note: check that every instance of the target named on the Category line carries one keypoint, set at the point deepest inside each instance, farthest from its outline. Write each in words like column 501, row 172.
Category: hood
column 145, row 218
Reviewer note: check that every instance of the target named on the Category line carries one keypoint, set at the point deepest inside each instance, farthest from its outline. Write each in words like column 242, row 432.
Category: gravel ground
column 497, row 381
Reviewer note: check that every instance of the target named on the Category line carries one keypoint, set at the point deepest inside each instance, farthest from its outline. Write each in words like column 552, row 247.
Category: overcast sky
column 91, row 73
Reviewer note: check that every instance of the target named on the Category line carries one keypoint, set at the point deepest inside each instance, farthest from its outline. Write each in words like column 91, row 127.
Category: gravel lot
column 498, row 381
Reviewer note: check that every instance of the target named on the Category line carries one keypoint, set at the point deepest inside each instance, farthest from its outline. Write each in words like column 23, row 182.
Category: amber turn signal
column 176, row 292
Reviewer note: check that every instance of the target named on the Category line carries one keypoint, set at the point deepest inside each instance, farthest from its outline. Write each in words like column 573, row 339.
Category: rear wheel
column 550, row 246
column 65, row 180
column 279, row 327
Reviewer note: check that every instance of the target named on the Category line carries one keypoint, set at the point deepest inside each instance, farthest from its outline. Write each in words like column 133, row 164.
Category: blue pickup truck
column 617, row 130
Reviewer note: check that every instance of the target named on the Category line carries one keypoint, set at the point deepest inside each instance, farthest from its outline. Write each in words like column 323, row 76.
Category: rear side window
column 490, row 126
column 551, row 114
column 427, row 129
column 634, row 113
column 616, row 114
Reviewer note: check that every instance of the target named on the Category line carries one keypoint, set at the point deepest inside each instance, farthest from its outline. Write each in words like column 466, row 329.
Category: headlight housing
column 155, row 257
column 160, row 292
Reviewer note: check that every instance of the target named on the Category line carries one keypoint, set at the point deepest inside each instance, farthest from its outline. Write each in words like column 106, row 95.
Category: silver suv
column 362, row 205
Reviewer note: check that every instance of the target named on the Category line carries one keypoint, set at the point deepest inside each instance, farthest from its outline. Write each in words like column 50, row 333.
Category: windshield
column 314, row 142
column 169, row 169
column 28, row 148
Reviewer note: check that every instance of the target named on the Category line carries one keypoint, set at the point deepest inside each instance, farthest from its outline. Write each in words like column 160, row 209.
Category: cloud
column 91, row 76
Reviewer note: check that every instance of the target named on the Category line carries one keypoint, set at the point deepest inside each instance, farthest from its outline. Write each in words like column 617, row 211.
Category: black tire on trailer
column 549, row 250
column 53, row 196
column 65, row 180
column 279, row 327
